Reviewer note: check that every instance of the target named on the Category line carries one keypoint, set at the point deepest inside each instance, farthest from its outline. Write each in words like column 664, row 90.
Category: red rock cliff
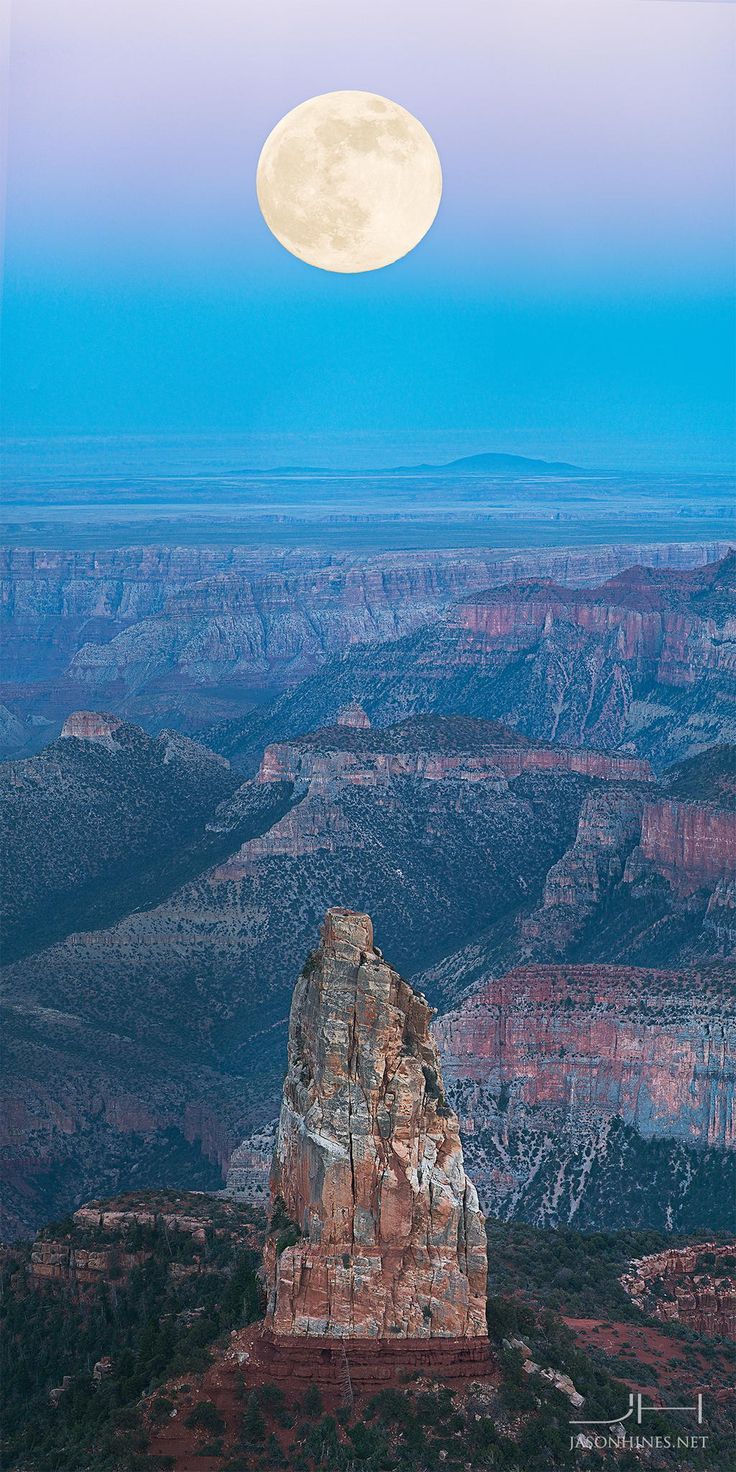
column 689, row 843
column 290, row 762
column 652, row 1047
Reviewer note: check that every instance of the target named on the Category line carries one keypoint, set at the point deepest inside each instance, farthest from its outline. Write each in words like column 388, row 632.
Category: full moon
column 349, row 181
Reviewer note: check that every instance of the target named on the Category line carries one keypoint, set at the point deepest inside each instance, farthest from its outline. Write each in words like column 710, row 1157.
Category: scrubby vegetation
column 154, row 1328
column 150, row 1325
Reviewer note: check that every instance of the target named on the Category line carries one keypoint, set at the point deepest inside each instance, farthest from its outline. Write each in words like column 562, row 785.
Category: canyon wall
column 558, row 1071
column 688, row 843
column 602, row 1040
column 290, row 762
column 191, row 635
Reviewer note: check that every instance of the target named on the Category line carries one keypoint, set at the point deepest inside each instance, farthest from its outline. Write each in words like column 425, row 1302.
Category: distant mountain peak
column 492, row 461
column 488, row 461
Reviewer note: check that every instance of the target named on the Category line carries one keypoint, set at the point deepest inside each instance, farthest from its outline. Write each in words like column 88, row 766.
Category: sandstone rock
column 249, row 1169
column 324, row 758
column 547, row 1066
column 689, row 844
column 353, row 715
column 675, row 1287
column 91, row 725
column 387, row 1237
column 59, row 1390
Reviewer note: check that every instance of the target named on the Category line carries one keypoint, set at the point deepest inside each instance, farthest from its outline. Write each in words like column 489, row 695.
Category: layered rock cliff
column 689, row 844
column 594, row 1093
column 189, row 635
column 387, row 1236
column 433, row 749
column 642, row 665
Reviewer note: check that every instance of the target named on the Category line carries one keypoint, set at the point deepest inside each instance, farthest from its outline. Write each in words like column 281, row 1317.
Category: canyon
column 642, row 666
column 153, row 1040
column 184, row 636
column 489, row 780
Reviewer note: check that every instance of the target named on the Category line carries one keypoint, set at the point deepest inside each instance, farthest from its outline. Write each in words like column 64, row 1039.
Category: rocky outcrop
column 249, row 1169
column 609, row 826
column 694, row 1286
column 374, row 763
column 107, row 1240
column 354, row 716
column 91, row 725
column 379, row 1228
column 174, row 1017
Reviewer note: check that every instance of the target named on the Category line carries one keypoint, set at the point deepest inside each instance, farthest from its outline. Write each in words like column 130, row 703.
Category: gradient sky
column 572, row 298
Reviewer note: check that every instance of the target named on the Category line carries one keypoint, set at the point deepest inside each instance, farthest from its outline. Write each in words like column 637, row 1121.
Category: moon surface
column 349, row 181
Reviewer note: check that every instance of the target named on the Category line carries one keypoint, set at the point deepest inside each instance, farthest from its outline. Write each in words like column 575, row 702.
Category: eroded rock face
column 354, row 716
column 694, row 1286
column 689, row 843
column 92, row 725
column 578, row 1085
column 368, row 1163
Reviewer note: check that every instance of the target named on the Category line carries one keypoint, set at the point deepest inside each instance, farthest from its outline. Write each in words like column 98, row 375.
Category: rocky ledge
column 694, row 1286
column 435, row 749
column 376, row 1230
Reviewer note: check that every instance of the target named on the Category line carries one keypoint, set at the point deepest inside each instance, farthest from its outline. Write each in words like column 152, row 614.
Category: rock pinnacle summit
column 376, row 1229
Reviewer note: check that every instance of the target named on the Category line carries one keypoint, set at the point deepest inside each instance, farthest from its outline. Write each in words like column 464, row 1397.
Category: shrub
column 313, row 1403
column 288, row 1238
column 253, row 1429
column 161, row 1409
column 205, row 1416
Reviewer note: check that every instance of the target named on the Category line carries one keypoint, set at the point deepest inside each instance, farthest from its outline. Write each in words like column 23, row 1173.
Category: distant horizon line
column 473, row 461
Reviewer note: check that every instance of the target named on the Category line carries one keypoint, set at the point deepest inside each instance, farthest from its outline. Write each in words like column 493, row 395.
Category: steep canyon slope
column 107, row 818
column 160, row 1037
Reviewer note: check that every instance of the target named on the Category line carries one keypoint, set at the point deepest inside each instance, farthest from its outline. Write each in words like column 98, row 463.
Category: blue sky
column 572, row 299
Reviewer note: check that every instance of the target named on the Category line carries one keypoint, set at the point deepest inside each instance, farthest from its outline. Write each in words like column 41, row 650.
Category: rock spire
column 376, row 1229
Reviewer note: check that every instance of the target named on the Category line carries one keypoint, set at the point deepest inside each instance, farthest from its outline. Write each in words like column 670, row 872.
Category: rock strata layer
column 378, row 1229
